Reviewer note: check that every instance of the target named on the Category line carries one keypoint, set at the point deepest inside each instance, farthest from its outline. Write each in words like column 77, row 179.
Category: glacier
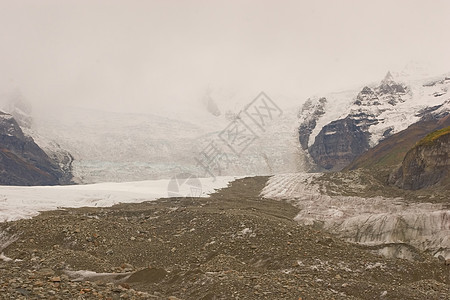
column 394, row 227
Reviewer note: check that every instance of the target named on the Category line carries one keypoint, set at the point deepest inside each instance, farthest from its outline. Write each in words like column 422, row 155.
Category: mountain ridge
column 22, row 161
column 366, row 117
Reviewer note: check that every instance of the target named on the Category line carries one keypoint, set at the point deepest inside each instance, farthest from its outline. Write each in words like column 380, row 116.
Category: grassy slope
column 429, row 139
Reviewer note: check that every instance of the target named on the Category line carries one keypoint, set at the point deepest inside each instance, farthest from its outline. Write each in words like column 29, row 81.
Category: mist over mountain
column 249, row 149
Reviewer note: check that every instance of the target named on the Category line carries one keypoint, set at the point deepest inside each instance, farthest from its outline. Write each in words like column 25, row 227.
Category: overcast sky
column 142, row 55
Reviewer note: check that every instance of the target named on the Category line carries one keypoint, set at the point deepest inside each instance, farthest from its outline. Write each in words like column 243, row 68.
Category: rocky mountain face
column 426, row 164
column 390, row 152
column 22, row 161
column 17, row 105
column 337, row 129
column 338, row 144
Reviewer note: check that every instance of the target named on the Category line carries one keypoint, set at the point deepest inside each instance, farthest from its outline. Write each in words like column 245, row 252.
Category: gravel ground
column 233, row 245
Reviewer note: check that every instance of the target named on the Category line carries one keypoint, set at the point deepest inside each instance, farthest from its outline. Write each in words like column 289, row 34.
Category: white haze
column 161, row 56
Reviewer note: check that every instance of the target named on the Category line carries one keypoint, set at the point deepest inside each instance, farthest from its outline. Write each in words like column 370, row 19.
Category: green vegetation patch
column 429, row 139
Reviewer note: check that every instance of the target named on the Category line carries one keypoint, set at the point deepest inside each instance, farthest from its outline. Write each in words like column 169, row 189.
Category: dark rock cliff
column 427, row 163
column 22, row 161
column 338, row 144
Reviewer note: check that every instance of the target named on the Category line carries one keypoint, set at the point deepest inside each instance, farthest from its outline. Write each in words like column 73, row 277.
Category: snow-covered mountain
column 100, row 146
column 107, row 146
column 116, row 146
column 336, row 128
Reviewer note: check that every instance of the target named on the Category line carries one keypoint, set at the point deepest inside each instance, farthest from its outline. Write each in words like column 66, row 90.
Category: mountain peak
column 388, row 78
